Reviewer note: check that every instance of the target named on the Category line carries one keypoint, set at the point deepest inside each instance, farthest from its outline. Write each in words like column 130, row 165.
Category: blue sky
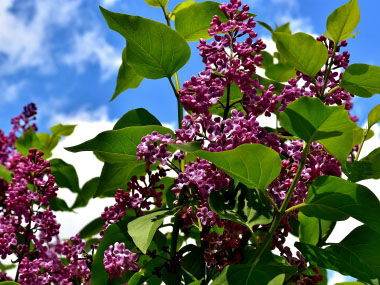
column 61, row 55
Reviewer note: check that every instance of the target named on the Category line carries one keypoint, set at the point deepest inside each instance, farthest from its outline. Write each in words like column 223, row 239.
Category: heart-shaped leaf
column 153, row 49
column 362, row 80
column 311, row 120
column 302, row 51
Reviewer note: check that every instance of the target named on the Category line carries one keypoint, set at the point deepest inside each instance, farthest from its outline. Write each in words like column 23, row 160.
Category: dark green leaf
column 9, row 283
column 362, row 80
column 118, row 146
column 366, row 168
column 254, row 165
column 5, row 267
column 193, row 22
column 266, row 82
column 265, row 25
column 5, row 174
column 114, row 233
column 92, row 228
column 374, row 116
column 65, row 175
column 311, row 120
column 342, row 22
column 243, row 274
column 157, row 3
column 302, row 51
column 356, row 255
column 248, row 207
column 136, row 117
column 117, row 175
column 193, row 262
column 59, row 205
column 137, row 279
column 154, row 50
column 335, row 199
column 313, row 230
column 86, row 193
column 127, row 78
column 62, row 130
column 143, row 228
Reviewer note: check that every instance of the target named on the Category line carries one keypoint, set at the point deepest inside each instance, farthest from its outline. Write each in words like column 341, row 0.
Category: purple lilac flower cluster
column 118, row 259
column 29, row 231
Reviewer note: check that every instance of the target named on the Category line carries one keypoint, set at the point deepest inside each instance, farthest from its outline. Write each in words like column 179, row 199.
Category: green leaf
column 29, row 140
column 243, row 274
column 65, row 175
column 362, row 80
column 157, row 3
column 280, row 72
column 114, row 233
column 193, row 262
column 127, row 78
column 86, row 193
column 335, row 199
column 62, row 130
column 313, row 230
column 5, row 174
column 193, row 22
column 5, row 267
column 92, row 228
column 136, row 117
column 247, row 207
column 356, row 255
column 180, row 7
column 9, row 283
column 265, row 25
column 342, row 22
column 311, row 120
column 254, row 165
column 366, row 168
column 48, row 142
column 285, row 28
column 59, row 205
column 302, row 51
column 117, row 175
column 235, row 95
column 154, row 50
column 374, row 116
column 137, row 279
column 118, row 146
column 142, row 229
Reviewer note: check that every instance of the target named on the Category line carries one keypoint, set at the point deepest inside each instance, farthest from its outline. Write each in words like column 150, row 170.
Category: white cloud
column 25, row 41
column 91, row 47
column 297, row 24
column 10, row 92
column 109, row 3
column 336, row 278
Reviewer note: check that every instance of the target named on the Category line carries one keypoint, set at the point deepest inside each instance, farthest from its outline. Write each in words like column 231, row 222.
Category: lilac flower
column 117, row 259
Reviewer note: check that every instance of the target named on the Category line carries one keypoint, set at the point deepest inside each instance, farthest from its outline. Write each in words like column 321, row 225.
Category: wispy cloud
column 109, row 3
column 10, row 92
column 91, row 47
column 26, row 33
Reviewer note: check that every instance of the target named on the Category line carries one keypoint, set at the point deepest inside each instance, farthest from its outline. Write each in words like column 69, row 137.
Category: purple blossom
column 118, row 259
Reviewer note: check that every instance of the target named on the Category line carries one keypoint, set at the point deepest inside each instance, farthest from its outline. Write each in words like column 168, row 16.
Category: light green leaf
column 153, row 49
column 248, row 208
column 335, row 199
column 118, row 146
column 254, row 165
column 342, row 22
column 313, row 230
column 311, row 120
column 374, row 116
column 362, row 80
column 62, row 130
column 5, row 174
column 193, row 22
column 180, row 7
column 302, row 51
column 356, row 255
column 65, row 175
column 142, row 229
column 280, row 72
column 127, row 78
column 366, row 168
column 157, row 3
column 28, row 140
column 136, row 117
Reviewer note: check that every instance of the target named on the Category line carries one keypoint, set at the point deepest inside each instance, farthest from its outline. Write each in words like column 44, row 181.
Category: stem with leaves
column 282, row 212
